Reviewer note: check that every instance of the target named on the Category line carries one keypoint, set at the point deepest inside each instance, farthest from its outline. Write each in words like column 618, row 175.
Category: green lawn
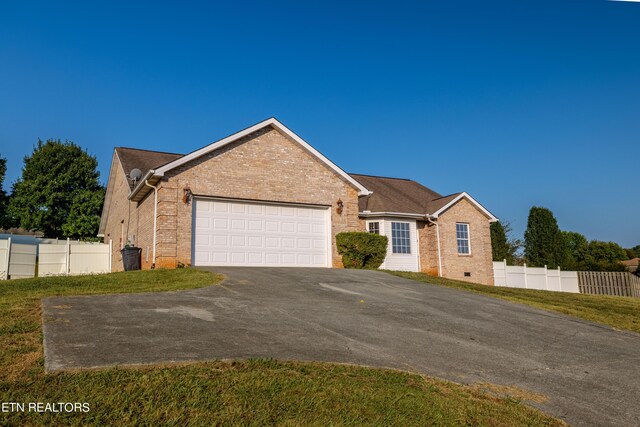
column 254, row 392
column 617, row 312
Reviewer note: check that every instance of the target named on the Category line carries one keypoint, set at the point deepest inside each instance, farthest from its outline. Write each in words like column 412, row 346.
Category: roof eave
column 366, row 214
column 141, row 190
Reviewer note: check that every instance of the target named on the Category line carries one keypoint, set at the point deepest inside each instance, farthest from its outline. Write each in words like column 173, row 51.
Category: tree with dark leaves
column 59, row 192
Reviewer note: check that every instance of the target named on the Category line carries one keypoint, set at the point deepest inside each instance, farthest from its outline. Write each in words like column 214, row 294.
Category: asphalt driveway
column 590, row 373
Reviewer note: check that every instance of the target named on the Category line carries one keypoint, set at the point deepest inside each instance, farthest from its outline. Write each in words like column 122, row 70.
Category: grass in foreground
column 617, row 312
column 221, row 393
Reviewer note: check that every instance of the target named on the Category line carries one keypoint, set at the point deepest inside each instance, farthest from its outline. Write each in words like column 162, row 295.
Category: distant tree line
column 545, row 244
column 58, row 192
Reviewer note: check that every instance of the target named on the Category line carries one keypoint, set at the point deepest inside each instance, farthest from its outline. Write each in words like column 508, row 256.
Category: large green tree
column 577, row 249
column 543, row 241
column 605, row 256
column 502, row 245
column 59, row 192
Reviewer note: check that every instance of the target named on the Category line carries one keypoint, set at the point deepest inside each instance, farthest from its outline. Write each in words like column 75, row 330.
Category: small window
column 374, row 227
column 400, row 238
column 462, row 235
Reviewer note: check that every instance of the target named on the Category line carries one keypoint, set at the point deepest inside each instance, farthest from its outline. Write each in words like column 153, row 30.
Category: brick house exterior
column 266, row 173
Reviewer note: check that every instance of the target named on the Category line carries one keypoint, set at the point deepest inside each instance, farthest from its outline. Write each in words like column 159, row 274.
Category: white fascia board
column 362, row 191
column 140, row 185
column 461, row 196
column 368, row 214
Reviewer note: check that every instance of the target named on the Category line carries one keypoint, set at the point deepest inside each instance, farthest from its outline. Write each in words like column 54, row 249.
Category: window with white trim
column 400, row 238
column 374, row 227
column 462, row 236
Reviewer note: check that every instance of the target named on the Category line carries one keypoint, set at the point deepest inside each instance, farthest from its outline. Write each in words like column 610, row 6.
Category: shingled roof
column 400, row 196
column 145, row 160
column 389, row 194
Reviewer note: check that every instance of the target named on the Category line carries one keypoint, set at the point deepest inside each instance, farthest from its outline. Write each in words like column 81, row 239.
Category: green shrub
column 362, row 250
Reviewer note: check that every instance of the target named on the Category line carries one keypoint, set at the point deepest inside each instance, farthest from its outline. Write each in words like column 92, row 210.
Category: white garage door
column 253, row 234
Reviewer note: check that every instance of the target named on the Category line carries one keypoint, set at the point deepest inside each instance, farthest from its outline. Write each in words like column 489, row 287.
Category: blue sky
column 519, row 103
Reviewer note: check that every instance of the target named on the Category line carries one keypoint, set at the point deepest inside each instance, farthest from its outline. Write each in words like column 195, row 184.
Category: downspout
column 438, row 242
column 155, row 219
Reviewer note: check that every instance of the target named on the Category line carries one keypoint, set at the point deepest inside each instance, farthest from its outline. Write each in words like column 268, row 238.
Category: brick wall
column 144, row 229
column 265, row 165
column 118, row 213
column 428, row 247
column 479, row 263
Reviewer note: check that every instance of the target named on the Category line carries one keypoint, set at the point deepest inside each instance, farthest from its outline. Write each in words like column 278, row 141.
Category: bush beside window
column 362, row 250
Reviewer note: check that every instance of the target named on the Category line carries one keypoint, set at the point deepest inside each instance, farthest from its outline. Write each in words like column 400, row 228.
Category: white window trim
column 368, row 223
column 468, row 238
column 411, row 246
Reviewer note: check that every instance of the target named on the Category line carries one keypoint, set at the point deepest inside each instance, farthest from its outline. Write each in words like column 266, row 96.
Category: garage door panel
column 202, row 258
column 218, row 224
column 304, row 243
column 255, row 225
column 219, row 258
column 271, row 226
column 319, row 259
column 287, row 243
column 255, row 241
column 285, row 211
column 272, row 259
column 304, row 227
column 242, row 233
column 238, row 241
column 288, row 227
column 217, row 241
column 219, row 207
column 238, row 224
column 272, row 242
column 256, row 258
column 289, row 259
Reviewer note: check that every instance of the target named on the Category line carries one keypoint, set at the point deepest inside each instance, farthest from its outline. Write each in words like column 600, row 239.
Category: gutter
column 142, row 183
column 155, row 219
column 368, row 214
column 430, row 220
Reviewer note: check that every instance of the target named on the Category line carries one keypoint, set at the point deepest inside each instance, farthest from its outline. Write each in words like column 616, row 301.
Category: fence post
column 8, row 256
column 67, row 258
column 526, row 282
column 506, row 276
column 110, row 253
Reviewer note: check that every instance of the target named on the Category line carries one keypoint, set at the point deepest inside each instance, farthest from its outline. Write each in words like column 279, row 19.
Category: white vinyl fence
column 535, row 278
column 54, row 257
column 17, row 260
column 4, row 258
column 22, row 260
column 71, row 259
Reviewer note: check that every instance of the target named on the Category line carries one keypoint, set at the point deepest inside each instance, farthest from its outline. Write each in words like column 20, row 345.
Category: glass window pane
column 400, row 238
column 462, row 237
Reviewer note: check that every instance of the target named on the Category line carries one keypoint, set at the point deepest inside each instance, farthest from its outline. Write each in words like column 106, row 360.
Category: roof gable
column 160, row 171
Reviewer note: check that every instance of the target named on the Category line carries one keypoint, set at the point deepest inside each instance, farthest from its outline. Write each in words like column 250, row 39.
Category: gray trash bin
column 131, row 258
